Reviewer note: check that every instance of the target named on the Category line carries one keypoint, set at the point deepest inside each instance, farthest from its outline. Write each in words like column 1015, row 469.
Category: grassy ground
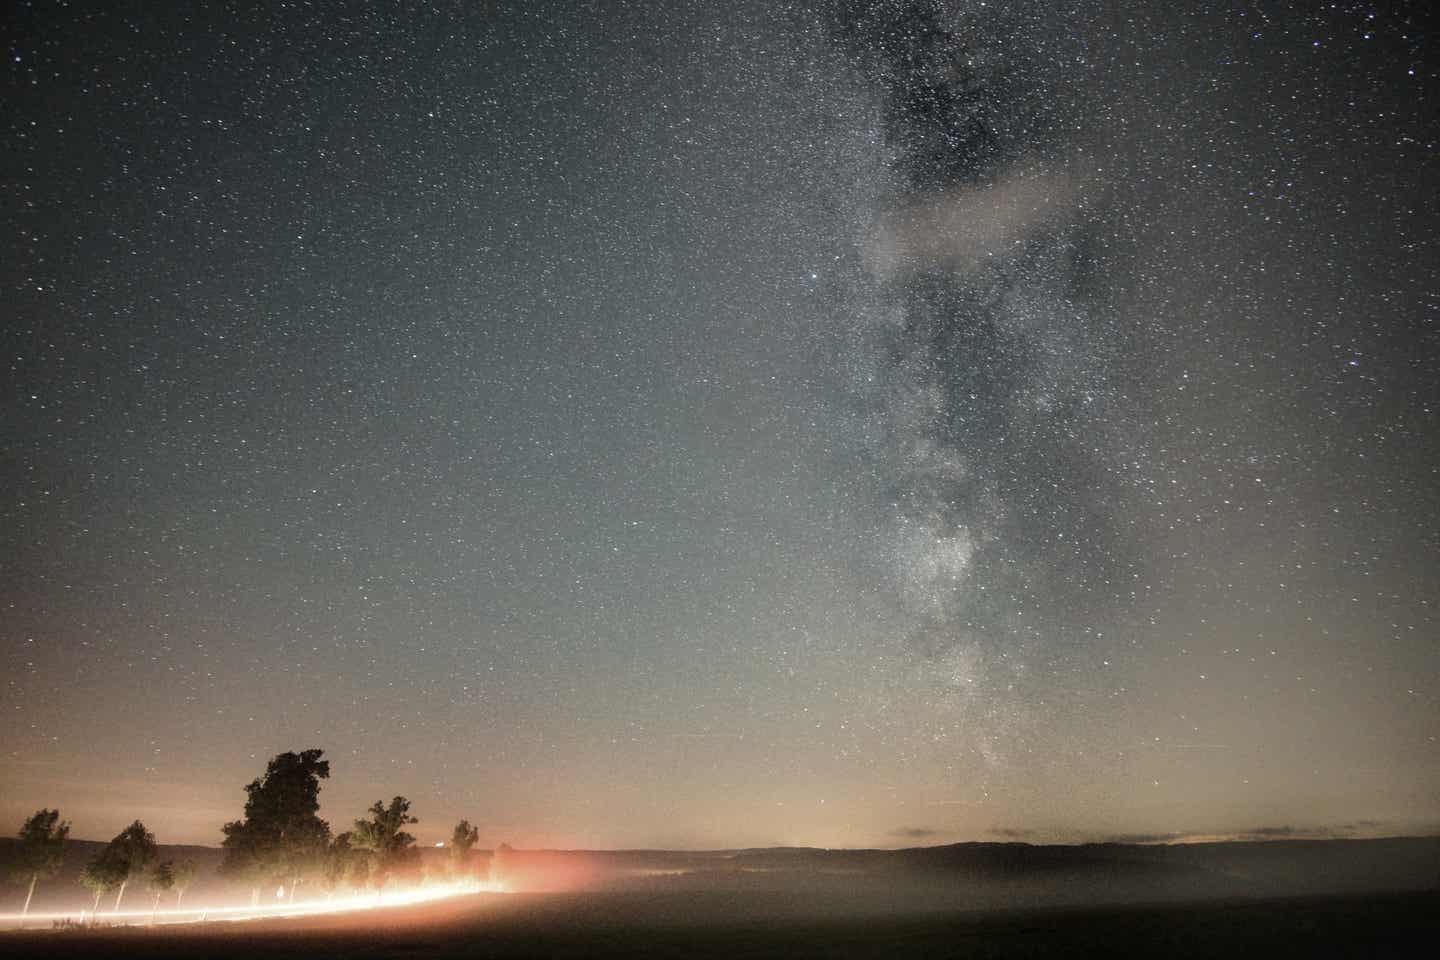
column 713, row 924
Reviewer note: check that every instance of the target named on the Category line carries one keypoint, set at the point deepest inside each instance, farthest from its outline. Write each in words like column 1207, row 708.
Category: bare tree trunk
column 94, row 910
column 155, row 908
column 179, row 895
column 26, row 912
column 119, row 895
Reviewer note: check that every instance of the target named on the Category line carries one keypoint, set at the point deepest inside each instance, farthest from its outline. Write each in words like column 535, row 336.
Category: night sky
column 699, row 424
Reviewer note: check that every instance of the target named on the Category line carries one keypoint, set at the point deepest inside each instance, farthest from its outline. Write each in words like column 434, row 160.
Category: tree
column 97, row 876
column 392, row 850
column 345, row 867
column 161, row 880
column 281, row 838
column 461, row 841
column 185, row 872
column 42, row 850
column 360, row 874
column 124, row 857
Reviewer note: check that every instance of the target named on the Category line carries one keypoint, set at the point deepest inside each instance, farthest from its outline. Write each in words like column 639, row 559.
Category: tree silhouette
column 392, row 850
column 345, row 866
column 98, row 876
column 359, row 874
column 161, row 879
column 281, row 838
column 124, row 857
column 461, row 841
column 184, row 872
column 42, row 850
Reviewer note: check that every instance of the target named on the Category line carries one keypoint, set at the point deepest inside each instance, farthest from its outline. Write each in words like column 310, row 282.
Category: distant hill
column 987, row 874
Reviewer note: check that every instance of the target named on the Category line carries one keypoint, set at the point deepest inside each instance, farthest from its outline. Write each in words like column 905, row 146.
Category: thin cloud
column 1144, row 838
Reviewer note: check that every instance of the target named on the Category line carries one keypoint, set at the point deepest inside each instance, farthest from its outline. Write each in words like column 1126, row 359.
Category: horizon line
column 1177, row 840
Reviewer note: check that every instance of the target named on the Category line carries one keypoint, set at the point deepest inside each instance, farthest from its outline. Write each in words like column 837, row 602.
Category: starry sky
column 687, row 424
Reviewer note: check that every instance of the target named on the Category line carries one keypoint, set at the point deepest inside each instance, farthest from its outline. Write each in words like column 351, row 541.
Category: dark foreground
column 715, row 924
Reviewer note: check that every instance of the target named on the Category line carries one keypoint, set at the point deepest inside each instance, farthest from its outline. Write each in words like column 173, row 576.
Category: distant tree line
column 130, row 857
column 280, row 843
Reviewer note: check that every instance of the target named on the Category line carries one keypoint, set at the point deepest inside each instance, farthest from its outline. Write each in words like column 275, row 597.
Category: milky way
column 1003, row 458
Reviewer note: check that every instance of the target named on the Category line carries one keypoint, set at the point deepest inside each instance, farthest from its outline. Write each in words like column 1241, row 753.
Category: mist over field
column 966, row 876
column 1302, row 898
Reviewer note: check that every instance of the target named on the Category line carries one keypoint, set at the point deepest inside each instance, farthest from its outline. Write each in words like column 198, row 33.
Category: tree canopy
column 281, row 837
column 42, row 849
column 392, row 849
column 42, row 845
column 184, row 873
column 346, row 868
column 461, row 840
column 160, row 880
column 99, row 878
column 124, row 857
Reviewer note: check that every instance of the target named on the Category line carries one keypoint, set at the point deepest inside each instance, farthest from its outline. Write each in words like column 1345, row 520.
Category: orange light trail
column 308, row 908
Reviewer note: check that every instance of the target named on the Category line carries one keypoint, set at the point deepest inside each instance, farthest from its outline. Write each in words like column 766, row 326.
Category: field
column 740, row 924
column 1362, row 898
